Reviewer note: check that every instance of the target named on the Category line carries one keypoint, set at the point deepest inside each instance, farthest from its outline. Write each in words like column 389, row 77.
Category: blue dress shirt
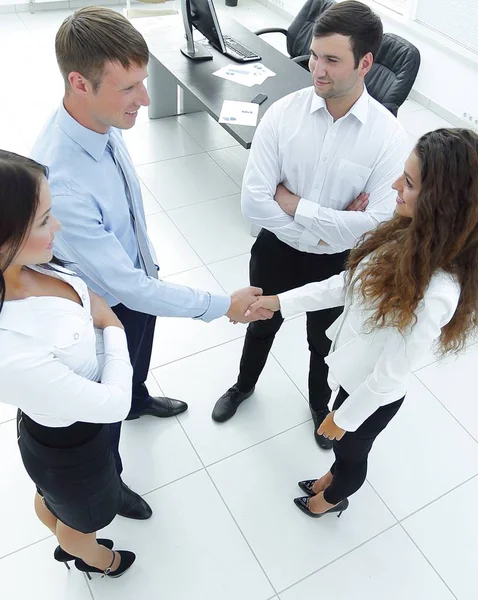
column 97, row 235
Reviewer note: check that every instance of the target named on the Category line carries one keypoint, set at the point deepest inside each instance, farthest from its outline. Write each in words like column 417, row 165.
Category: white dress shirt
column 372, row 366
column 328, row 164
column 48, row 360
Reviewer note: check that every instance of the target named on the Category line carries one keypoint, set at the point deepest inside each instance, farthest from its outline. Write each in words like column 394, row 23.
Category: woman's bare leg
column 84, row 546
column 45, row 516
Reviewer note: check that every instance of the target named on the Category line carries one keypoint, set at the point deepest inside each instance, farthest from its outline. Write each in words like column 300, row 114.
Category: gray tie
column 145, row 257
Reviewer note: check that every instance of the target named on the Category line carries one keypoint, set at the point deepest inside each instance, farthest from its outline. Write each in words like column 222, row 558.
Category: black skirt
column 74, row 470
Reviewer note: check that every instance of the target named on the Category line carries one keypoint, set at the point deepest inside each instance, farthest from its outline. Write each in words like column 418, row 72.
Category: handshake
column 249, row 305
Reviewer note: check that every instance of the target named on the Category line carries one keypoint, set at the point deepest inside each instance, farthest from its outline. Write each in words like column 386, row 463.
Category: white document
column 239, row 113
column 248, row 75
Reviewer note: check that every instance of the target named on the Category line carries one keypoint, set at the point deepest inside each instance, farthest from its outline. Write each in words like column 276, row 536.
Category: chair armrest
column 271, row 30
column 303, row 60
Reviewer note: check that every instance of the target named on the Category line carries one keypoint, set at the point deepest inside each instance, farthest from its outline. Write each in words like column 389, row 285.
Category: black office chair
column 299, row 33
column 395, row 68
column 394, row 72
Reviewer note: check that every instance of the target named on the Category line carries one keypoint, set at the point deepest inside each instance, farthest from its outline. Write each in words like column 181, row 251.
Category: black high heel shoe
column 62, row 555
column 127, row 559
column 306, row 486
column 303, row 505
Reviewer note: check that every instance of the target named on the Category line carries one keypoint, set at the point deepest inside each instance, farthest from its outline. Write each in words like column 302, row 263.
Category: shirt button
column 324, row 158
column 76, row 336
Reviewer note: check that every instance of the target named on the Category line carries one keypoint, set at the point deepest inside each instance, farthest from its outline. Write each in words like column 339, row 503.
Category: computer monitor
column 201, row 14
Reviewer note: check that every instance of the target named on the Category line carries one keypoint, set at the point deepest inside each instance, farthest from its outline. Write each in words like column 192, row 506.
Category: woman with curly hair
column 410, row 282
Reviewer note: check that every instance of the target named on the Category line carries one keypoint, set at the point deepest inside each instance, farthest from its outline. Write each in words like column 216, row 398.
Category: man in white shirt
column 319, row 176
column 97, row 197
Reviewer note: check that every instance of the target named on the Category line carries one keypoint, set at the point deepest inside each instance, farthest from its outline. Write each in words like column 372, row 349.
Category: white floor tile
column 185, row 181
column 151, row 205
column 410, row 465
column 207, row 132
column 422, row 121
column 32, row 573
column 174, row 253
column 215, row 229
column 453, row 382
column 190, row 548
column 19, row 524
column 232, row 273
column 232, row 160
column 201, row 379
column 446, row 532
column 388, row 566
column 259, row 486
column 176, row 338
column 7, row 412
column 161, row 139
column 293, row 334
column 155, row 452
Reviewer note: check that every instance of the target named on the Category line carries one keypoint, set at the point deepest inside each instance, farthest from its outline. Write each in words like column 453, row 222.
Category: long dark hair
column 443, row 234
column 20, row 181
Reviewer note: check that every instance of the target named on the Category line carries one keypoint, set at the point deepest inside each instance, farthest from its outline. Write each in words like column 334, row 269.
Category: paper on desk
column 239, row 113
column 247, row 75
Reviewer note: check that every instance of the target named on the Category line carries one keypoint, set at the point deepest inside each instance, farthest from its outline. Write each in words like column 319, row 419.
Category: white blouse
column 373, row 367
column 49, row 366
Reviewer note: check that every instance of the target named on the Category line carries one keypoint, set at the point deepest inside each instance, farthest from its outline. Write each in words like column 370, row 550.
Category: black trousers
column 351, row 452
column 276, row 268
column 139, row 329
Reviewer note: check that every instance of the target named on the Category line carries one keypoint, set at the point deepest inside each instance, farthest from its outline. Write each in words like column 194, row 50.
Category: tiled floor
column 224, row 525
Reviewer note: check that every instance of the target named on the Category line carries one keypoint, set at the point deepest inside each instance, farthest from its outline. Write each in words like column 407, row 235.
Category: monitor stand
column 192, row 50
column 197, row 52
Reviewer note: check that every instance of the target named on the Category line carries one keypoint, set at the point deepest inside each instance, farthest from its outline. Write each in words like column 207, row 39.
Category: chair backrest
column 394, row 71
column 299, row 34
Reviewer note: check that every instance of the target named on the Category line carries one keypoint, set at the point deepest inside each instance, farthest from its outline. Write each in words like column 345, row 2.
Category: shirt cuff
column 218, row 307
column 286, row 303
column 306, row 212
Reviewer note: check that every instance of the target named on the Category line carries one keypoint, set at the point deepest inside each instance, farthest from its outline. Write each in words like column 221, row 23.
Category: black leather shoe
column 133, row 507
column 228, row 404
column 322, row 441
column 306, row 486
column 160, row 407
column 303, row 505
column 63, row 556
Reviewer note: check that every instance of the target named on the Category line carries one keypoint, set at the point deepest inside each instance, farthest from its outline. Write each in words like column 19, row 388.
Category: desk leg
column 188, row 103
column 163, row 91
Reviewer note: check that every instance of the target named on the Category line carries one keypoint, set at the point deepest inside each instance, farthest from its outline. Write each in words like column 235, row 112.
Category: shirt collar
column 92, row 142
column 359, row 109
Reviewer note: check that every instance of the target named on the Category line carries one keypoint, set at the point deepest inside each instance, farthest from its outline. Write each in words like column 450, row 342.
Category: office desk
column 177, row 84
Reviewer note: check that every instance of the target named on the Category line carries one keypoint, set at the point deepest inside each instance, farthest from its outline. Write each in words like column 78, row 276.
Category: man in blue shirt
column 97, row 197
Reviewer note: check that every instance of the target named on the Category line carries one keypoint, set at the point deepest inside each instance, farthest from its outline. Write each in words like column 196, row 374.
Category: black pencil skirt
column 78, row 482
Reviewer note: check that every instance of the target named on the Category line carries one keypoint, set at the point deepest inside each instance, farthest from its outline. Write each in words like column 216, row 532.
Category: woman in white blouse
column 49, row 369
column 408, row 283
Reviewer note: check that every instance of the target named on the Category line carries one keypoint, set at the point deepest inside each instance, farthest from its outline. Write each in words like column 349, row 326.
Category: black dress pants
column 351, row 452
column 139, row 329
column 277, row 267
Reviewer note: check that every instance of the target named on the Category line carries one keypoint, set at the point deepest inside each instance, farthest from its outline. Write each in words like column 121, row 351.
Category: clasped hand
column 241, row 303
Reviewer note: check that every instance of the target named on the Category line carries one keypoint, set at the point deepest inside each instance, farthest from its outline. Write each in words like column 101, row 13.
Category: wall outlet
column 471, row 119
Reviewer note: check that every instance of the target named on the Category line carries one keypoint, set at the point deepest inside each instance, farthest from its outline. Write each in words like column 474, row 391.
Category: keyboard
column 237, row 51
